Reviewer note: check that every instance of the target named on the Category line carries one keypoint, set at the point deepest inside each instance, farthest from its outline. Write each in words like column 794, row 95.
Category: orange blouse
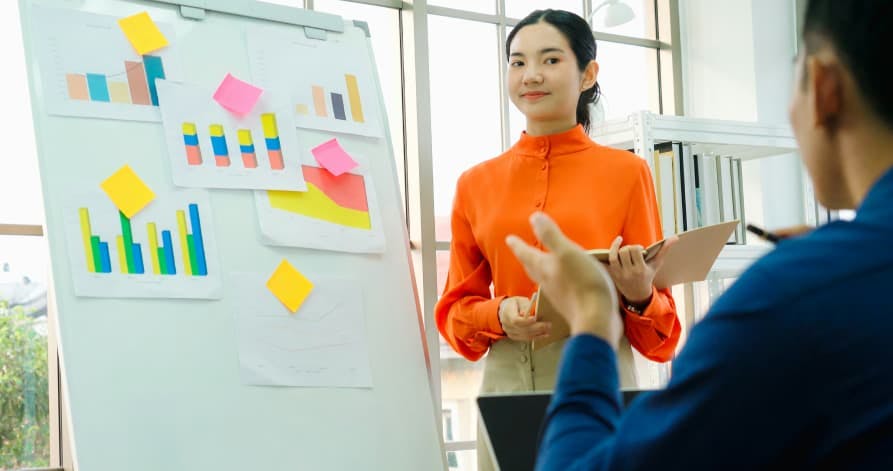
column 594, row 193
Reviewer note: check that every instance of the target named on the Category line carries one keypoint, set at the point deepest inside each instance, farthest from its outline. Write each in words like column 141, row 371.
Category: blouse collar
column 567, row 142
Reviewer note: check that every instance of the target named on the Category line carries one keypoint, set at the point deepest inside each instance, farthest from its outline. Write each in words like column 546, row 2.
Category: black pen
column 763, row 234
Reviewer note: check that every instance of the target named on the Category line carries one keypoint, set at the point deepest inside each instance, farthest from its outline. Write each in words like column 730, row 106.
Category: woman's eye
column 516, row 64
column 552, row 60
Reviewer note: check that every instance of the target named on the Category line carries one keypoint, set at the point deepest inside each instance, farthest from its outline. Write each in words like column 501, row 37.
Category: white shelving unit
column 641, row 131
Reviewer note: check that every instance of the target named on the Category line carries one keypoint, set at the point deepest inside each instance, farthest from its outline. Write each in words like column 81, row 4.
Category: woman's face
column 544, row 81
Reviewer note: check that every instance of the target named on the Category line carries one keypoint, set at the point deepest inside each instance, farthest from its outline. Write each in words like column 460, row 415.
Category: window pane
column 480, row 6
column 520, row 8
column 460, row 383
column 628, row 79
column 384, row 27
column 641, row 26
column 24, row 391
column 465, row 123
column 20, row 189
column 464, row 460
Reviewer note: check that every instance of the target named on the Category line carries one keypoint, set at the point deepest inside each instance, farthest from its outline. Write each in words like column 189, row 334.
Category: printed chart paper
column 323, row 345
column 89, row 68
column 209, row 147
column 338, row 213
column 167, row 250
column 330, row 84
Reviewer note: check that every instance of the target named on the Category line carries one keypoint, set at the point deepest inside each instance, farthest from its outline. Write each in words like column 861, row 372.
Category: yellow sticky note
column 289, row 286
column 127, row 191
column 143, row 33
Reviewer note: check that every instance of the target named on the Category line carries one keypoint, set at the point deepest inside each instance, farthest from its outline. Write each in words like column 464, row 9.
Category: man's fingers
column 549, row 234
column 530, row 258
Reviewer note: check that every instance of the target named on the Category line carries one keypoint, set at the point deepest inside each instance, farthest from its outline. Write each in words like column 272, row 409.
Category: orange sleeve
column 656, row 331
column 466, row 314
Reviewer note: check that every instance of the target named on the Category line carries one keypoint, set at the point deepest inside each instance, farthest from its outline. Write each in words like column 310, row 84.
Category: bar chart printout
column 88, row 67
column 161, row 252
column 249, row 151
column 340, row 97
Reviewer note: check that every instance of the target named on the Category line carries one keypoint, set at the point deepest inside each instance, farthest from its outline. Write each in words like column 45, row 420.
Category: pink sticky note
column 236, row 95
column 330, row 155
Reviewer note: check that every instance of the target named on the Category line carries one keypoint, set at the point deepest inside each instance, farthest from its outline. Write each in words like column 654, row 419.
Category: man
column 793, row 367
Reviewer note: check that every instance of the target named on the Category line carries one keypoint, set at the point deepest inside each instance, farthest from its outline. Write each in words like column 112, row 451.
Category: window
column 24, row 370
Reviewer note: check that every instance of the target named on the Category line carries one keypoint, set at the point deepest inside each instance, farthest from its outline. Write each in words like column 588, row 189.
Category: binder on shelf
column 687, row 261
column 665, row 184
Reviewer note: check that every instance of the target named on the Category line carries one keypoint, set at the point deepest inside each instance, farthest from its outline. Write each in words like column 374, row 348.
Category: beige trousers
column 511, row 366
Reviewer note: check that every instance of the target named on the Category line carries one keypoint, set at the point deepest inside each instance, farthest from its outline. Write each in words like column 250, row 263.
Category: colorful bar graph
column 168, row 249
column 319, row 101
column 184, row 243
column 271, row 138
column 77, row 87
column 136, row 79
column 201, row 268
column 246, row 145
column 153, row 247
column 139, row 89
column 86, row 234
column 218, row 142
column 353, row 94
column 190, row 140
column 338, row 106
column 154, row 70
column 119, row 92
column 99, row 90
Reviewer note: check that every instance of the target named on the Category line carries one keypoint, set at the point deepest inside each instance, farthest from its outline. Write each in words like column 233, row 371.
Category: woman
column 600, row 197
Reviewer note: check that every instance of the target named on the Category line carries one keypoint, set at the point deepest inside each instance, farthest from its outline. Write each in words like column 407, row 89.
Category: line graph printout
column 323, row 344
column 88, row 67
column 330, row 84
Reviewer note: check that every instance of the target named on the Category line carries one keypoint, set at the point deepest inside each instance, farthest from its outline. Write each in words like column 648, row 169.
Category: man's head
column 842, row 91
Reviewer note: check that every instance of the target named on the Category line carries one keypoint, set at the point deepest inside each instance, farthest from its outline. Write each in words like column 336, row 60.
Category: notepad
column 686, row 261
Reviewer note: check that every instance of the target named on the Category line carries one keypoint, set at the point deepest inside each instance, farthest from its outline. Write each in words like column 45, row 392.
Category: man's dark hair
column 579, row 36
column 858, row 31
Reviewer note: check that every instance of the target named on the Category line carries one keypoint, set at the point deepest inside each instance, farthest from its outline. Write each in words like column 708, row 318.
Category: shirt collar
column 567, row 142
column 876, row 204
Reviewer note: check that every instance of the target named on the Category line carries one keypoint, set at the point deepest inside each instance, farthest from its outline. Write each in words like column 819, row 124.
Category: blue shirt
column 791, row 368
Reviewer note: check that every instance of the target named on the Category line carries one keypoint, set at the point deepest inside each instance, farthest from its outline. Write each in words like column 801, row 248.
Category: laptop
column 513, row 423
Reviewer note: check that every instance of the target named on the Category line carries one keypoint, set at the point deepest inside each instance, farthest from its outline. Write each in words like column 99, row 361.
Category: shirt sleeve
column 718, row 395
column 656, row 331
column 467, row 314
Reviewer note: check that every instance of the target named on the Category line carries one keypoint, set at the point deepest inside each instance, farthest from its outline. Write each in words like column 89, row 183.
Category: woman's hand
column 631, row 274
column 517, row 321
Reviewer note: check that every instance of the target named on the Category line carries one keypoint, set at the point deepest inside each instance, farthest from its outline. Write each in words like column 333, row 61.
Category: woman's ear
column 590, row 76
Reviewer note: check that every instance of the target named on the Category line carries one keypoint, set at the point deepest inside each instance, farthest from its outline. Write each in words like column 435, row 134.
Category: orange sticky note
column 127, row 191
column 289, row 286
column 142, row 33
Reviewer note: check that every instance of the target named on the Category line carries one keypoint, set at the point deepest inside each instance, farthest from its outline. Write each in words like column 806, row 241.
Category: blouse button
column 539, row 204
column 544, row 167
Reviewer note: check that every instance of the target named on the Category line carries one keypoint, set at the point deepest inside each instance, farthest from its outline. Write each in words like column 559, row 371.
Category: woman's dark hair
column 579, row 36
column 856, row 30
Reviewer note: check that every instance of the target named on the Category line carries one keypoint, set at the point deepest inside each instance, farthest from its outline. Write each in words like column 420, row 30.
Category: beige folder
column 686, row 261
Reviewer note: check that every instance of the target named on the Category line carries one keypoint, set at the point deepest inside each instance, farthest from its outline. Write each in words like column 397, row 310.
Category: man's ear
column 826, row 81
column 590, row 76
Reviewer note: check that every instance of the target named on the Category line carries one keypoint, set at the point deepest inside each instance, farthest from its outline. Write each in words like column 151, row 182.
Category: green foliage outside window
column 24, row 392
